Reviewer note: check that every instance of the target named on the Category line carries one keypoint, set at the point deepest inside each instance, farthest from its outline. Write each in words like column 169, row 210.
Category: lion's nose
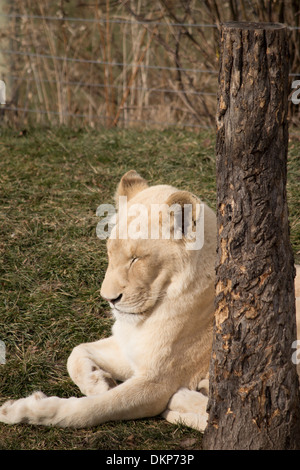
column 115, row 300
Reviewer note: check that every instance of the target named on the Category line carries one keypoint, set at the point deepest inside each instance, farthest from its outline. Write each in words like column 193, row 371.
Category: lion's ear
column 185, row 207
column 131, row 184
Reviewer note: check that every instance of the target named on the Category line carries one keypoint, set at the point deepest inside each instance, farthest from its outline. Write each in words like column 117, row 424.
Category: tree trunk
column 254, row 394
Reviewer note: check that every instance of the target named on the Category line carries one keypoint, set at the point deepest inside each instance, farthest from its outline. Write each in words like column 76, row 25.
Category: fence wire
column 101, row 62
column 109, row 71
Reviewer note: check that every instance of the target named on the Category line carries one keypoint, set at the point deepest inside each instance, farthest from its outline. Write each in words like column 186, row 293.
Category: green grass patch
column 52, row 263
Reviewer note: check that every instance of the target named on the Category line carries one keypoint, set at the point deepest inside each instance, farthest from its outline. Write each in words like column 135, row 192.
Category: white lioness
column 162, row 297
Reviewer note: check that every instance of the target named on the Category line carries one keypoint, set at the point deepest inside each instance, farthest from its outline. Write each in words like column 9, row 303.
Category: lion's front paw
column 19, row 411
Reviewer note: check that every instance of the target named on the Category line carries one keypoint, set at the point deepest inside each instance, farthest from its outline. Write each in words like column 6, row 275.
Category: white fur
column 161, row 355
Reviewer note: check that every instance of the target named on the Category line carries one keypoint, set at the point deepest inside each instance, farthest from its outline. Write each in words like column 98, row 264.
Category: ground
column 52, row 263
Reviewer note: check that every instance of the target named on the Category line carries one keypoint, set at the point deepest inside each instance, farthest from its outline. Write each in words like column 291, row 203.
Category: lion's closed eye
column 133, row 260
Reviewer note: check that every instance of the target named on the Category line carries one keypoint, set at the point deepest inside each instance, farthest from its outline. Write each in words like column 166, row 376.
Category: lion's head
column 151, row 250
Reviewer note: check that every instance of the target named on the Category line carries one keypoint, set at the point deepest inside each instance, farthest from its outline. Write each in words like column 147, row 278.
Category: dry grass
column 134, row 36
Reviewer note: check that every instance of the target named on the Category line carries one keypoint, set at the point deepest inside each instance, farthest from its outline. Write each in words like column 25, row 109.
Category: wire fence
column 118, row 68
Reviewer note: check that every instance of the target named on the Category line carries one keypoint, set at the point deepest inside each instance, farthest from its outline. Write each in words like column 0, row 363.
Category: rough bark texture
column 254, row 397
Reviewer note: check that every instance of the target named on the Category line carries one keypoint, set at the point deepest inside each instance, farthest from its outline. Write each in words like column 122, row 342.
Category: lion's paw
column 192, row 420
column 188, row 401
column 19, row 411
column 187, row 407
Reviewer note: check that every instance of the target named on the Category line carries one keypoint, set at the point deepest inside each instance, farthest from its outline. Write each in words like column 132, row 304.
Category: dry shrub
column 132, row 63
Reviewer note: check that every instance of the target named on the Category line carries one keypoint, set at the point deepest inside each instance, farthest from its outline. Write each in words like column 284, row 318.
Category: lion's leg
column 187, row 407
column 136, row 398
column 94, row 367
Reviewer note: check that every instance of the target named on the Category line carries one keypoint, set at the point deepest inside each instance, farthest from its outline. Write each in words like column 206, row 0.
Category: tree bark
column 254, row 390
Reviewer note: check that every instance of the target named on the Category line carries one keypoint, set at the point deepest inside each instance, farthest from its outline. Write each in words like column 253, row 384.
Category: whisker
column 138, row 300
